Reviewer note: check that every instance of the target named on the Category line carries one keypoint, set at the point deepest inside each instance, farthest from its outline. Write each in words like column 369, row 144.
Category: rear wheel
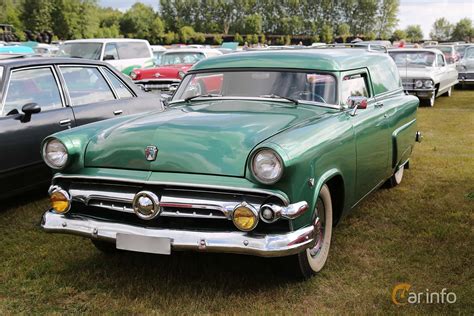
column 312, row 260
column 449, row 92
column 396, row 178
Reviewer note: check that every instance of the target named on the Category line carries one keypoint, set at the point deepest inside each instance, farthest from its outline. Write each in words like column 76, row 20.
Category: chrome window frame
column 69, row 101
column 13, row 70
column 104, row 70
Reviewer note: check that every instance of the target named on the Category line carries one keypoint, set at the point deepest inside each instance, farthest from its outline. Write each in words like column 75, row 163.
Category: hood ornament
column 151, row 152
column 157, row 75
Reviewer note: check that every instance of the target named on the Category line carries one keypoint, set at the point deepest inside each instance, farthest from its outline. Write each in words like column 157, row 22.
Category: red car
column 174, row 64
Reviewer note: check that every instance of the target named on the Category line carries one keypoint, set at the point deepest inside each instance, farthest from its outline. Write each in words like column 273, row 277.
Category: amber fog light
column 60, row 201
column 245, row 217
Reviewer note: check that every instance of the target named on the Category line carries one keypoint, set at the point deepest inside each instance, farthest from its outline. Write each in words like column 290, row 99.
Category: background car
column 174, row 64
column 157, row 50
column 41, row 96
column 449, row 51
column 124, row 54
column 425, row 73
column 466, row 67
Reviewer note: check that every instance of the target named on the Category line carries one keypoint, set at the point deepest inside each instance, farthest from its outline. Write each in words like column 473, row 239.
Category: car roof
column 32, row 61
column 429, row 50
column 191, row 50
column 324, row 59
column 105, row 40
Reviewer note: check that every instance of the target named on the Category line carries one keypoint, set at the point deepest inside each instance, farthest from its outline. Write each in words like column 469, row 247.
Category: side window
column 440, row 60
column 119, row 86
column 129, row 50
column 86, row 85
column 354, row 85
column 385, row 77
column 110, row 52
column 32, row 86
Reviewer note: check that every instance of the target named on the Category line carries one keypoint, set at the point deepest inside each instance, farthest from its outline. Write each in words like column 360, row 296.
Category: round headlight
column 418, row 83
column 55, row 154
column 428, row 84
column 267, row 166
column 181, row 74
column 133, row 75
column 245, row 217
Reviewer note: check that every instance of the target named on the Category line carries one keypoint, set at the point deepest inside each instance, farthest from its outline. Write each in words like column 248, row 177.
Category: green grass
column 420, row 233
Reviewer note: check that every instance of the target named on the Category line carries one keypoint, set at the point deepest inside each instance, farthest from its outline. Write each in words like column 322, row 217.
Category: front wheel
column 431, row 101
column 312, row 260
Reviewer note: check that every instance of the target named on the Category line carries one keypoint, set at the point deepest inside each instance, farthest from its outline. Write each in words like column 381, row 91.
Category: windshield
column 420, row 59
column 180, row 58
column 444, row 49
column 469, row 53
column 81, row 50
column 301, row 86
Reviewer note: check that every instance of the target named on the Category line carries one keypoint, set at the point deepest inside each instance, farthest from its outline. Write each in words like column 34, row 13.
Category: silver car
column 425, row 73
column 466, row 67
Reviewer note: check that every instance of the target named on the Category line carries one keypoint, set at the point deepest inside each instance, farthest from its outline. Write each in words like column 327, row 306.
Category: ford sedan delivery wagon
column 265, row 164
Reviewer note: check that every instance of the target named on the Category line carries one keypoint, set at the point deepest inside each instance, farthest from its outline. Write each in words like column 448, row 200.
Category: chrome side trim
column 279, row 195
column 271, row 245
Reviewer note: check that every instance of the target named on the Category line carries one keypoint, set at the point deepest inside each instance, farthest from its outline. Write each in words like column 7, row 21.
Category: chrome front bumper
column 421, row 93
column 269, row 245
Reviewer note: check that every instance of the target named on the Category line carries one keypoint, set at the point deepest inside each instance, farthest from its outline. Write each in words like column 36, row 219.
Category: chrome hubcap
column 318, row 228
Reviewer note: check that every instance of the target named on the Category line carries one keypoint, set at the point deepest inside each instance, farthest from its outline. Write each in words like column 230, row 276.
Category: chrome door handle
column 118, row 112
column 65, row 122
column 378, row 104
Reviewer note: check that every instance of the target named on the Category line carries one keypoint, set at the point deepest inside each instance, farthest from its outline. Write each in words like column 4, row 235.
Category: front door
column 371, row 135
column 21, row 164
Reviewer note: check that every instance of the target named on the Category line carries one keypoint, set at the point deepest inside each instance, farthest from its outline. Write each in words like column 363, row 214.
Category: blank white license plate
column 158, row 245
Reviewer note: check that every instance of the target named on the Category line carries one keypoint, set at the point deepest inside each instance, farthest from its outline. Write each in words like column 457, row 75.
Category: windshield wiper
column 275, row 96
column 210, row 95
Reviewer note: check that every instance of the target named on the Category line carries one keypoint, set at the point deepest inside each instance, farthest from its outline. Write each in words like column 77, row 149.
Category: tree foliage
column 414, row 33
column 441, row 30
column 463, row 30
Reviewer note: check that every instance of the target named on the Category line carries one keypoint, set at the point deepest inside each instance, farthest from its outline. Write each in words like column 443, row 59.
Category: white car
column 124, row 54
column 157, row 50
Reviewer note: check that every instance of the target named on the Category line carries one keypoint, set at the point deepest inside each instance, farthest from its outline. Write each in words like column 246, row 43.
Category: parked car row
column 258, row 152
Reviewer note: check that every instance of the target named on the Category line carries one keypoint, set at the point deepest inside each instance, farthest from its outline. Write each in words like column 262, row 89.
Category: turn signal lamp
column 60, row 201
column 245, row 217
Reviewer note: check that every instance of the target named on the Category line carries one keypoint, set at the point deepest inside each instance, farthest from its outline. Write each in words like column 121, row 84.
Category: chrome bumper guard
column 263, row 245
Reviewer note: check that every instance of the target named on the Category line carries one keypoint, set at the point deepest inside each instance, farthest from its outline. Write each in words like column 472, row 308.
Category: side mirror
column 109, row 57
column 28, row 110
column 357, row 102
column 165, row 98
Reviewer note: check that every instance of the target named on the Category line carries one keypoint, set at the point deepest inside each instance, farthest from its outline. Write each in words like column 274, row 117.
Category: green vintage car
column 258, row 153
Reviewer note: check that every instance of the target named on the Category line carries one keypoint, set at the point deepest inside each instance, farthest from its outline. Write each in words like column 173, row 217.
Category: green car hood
column 206, row 137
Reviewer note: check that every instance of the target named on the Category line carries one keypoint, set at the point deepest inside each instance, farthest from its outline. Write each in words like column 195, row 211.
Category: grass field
column 419, row 233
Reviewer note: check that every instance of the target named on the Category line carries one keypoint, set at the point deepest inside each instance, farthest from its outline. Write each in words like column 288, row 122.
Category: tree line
column 193, row 21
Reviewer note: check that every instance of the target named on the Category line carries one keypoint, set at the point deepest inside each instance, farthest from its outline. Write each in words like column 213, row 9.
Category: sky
column 423, row 12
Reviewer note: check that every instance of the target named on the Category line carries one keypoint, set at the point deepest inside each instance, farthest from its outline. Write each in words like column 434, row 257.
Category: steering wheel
column 306, row 95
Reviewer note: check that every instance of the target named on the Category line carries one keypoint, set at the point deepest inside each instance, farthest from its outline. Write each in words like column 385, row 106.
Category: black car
column 41, row 96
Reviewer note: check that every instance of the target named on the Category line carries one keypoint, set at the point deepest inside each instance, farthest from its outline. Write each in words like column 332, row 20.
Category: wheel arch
column 335, row 182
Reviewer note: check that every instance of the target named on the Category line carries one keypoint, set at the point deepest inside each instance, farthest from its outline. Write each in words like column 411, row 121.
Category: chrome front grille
column 175, row 202
column 408, row 84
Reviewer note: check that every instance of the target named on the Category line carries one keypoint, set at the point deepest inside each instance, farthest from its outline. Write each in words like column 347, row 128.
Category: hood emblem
column 157, row 75
column 151, row 152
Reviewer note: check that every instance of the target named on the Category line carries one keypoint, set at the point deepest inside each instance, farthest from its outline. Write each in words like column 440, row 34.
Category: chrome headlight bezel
column 428, row 84
column 278, row 162
column 62, row 161
column 418, row 83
